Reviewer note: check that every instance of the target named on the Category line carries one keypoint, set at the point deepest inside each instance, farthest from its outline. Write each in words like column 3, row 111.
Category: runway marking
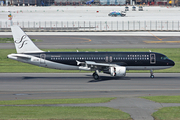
column 155, row 36
column 88, row 40
column 161, row 41
column 170, row 37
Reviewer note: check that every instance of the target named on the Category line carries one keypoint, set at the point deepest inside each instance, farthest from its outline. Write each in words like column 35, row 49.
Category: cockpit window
column 164, row 58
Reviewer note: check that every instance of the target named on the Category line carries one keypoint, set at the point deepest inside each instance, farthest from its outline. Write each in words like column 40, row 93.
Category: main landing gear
column 152, row 76
column 95, row 75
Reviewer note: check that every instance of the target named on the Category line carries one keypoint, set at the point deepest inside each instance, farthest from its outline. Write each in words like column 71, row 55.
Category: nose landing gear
column 151, row 76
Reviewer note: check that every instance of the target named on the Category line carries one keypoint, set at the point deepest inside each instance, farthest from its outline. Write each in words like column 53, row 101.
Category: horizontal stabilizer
column 16, row 56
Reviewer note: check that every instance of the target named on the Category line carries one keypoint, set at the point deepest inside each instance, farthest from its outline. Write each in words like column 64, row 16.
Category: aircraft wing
column 113, row 69
column 92, row 63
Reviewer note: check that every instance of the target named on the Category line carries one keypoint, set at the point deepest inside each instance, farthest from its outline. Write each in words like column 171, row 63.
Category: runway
column 100, row 41
column 81, row 85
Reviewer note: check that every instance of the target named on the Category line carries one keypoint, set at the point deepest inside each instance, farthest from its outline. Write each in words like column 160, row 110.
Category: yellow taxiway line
column 155, row 36
column 160, row 40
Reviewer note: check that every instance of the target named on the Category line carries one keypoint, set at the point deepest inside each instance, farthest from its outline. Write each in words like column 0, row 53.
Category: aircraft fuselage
column 130, row 60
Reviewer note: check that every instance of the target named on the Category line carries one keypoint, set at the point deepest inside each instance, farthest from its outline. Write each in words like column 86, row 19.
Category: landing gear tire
column 152, row 76
column 95, row 76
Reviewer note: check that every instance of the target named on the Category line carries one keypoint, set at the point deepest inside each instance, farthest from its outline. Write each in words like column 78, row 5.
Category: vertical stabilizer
column 22, row 42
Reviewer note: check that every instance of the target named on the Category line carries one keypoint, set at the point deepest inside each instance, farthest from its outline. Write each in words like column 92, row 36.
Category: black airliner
column 113, row 63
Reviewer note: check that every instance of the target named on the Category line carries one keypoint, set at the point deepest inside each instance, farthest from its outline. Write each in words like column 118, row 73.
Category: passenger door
column 152, row 59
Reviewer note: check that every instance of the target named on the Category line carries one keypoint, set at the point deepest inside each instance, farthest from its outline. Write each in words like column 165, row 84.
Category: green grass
column 45, row 112
column 10, row 40
column 163, row 99
column 6, row 40
column 167, row 113
column 12, row 66
column 56, row 101
column 24, row 112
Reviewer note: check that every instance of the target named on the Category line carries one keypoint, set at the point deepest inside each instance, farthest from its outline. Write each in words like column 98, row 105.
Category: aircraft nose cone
column 171, row 63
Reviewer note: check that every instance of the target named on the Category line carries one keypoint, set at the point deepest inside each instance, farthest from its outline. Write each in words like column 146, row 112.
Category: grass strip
column 12, row 66
column 163, row 99
column 11, row 40
column 56, row 101
column 167, row 113
column 23, row 112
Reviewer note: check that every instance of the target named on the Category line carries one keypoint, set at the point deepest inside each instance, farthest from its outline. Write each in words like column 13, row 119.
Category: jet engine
column 117, row 71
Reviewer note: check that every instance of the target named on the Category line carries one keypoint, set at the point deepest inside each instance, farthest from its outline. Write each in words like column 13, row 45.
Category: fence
column 95, row 25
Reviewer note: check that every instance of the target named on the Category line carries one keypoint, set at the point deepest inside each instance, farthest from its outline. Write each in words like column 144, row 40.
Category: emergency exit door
column 108, row 59
column 43, row 58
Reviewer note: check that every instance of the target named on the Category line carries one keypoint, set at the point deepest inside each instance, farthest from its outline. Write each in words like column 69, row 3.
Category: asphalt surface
column 80, row 85
column 77, row 85
column 101, row 41
column 15, row 86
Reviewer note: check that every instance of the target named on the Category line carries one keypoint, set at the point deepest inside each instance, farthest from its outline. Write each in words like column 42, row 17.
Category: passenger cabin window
column 137, row 57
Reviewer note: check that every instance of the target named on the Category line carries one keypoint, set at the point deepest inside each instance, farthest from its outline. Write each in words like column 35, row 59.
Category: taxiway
column 100, row 41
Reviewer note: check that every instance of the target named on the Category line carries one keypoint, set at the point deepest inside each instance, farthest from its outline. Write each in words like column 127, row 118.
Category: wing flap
column 99, row 64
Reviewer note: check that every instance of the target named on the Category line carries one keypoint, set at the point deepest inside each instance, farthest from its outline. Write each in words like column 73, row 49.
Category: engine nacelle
column 117, row 71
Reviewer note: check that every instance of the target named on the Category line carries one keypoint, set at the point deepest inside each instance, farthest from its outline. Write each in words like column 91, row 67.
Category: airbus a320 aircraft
column 113, row 63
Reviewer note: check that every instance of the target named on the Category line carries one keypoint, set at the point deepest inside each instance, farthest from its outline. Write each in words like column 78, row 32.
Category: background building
column 92, row 2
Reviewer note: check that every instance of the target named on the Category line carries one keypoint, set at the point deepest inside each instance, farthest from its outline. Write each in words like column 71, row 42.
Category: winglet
column 22, row 42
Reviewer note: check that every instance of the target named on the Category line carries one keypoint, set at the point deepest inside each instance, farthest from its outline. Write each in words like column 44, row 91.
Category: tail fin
column 22, row 42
